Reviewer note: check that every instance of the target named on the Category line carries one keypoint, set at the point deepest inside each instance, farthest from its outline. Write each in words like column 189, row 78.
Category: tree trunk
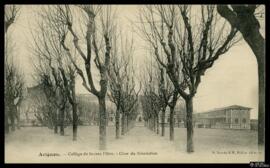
column 163, row 122
column 261, row 115
column 75, row 120
column 151, row 124
column 62, row 119
column 171, row 123
column 257, row 44
column 18, row 117
column 102, row 123
column 6, row 123
column 12, row 121
column 55, row 129
column 127, row 129
column 108, row 118
column 117, row 124
column 123, row 124
column 189, row 108
column 55, row 122
column 157, row 120
column 74, row 111
column 97, row 122
column 249, row 26
column 154, row 124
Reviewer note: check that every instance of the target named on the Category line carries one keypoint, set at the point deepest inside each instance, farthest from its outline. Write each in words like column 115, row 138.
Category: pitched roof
column 233, row 107
column 227, row 108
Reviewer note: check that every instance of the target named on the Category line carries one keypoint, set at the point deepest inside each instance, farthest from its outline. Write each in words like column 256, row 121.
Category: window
column 168, row 119
column 236, row 121
column 244, row 120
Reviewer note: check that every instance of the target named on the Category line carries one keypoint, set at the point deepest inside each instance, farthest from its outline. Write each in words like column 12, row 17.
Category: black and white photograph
column 156, row 83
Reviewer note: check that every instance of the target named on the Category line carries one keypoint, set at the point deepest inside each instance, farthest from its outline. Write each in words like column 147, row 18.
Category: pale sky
column 232, row 79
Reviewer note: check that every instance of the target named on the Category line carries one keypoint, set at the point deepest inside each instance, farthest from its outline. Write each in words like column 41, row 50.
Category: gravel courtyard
column 39, row 144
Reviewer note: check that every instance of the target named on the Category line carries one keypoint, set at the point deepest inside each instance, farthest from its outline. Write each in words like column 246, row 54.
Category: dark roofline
column 226, row 108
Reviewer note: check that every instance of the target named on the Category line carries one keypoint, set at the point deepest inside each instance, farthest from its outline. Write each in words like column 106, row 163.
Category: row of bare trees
column 14, row 78
column 54, row 72
column 65, row 46
column 122, row 84
column 186, row 40
column 158, row 95
column 151, row 100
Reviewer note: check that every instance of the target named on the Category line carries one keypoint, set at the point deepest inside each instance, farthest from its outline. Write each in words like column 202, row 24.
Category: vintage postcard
column 134, row 83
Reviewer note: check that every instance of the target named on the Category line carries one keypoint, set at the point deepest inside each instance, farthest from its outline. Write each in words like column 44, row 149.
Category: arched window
column 236, row 121
column 244, row 120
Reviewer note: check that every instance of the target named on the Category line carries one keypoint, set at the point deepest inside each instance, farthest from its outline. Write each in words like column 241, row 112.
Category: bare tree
column 13, row 95
column 152, row 101
column 172, row 104
column 146, row 105
column 14, row 88
column 68, row 77
column 189, row 48
column 119, row 74
column 11, row 13
column 55, row 93
column 129, row 94
column 128, row 107
column 99, row 26
column 243, row 18
column 14, row 83
column 148, row 112
column 49, row 69
column 165, row 92
column 168, row 97
column 44, row 113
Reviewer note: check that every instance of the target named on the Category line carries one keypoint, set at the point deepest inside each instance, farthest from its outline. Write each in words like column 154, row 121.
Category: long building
column 231, row 117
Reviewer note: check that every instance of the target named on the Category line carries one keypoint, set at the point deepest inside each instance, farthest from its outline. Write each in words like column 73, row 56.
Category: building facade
column 231, row 117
